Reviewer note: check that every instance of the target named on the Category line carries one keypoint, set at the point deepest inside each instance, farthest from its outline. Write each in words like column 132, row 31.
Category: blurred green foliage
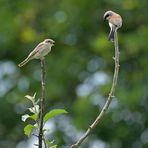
column 79, row 70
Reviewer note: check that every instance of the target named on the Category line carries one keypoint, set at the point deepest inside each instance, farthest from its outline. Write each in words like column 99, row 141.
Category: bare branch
column 109, row 99
column 42, row 102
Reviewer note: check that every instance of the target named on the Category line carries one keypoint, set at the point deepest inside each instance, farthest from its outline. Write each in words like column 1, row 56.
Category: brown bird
column 115, row 22
column 40, row 51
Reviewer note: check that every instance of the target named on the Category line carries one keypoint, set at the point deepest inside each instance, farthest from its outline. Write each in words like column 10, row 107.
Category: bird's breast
column 43, row 51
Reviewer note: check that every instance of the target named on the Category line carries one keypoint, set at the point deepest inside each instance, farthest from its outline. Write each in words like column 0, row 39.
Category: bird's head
column 108, row 14
column 49, row 41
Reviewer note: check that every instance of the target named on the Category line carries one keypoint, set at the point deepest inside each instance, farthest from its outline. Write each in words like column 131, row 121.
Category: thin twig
column 109, row 99
column 35, row 135
column 42, row 102
column 44, row 140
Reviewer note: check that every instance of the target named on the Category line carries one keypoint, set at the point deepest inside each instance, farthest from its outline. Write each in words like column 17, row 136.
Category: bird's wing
column 37, row 48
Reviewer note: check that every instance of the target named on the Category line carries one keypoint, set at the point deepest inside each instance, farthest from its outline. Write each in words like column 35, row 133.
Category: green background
column 79, row 71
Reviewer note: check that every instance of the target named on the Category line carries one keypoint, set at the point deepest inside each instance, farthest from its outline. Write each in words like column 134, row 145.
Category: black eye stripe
column 49, row 41
column 107, row 16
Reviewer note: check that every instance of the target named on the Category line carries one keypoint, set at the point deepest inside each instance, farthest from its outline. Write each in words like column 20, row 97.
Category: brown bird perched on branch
column 40, row 51
column 115, row 22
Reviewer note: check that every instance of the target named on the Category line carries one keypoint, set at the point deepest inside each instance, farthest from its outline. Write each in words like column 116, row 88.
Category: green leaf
column 36, row 125
column 27, row 129
column 54, row 146
column 49, row 144
column 25, row 117
column 53, row 113
column 34, row 117
column 34, row 109
column 31, row 98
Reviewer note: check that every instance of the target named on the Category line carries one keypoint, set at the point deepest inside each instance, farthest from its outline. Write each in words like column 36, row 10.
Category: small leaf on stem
column 31, row 98
column 28, row 128
column 25, row 117
column 50, row 144
column 34, row 109
column 34, row 117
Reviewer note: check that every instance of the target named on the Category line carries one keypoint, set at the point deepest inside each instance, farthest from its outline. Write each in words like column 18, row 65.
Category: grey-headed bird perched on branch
column 40, row 51
column 115, row 22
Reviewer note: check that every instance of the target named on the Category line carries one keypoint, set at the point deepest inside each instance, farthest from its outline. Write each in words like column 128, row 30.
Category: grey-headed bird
column 115, row 22
column 40, row 51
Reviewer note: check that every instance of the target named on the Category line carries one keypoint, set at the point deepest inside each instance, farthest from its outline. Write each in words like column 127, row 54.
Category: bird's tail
column 24, row 62
column 111, row 36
